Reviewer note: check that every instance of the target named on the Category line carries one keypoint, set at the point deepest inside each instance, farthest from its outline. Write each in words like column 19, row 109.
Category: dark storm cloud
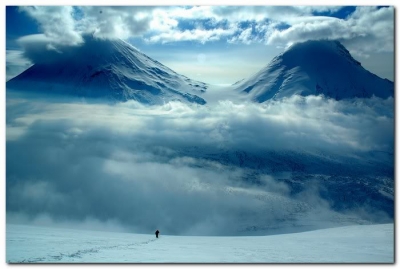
column 143, row 168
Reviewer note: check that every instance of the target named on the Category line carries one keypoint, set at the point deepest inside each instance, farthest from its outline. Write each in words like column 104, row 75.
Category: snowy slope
column 313, row 68
column 351, row 244
column 108, row 68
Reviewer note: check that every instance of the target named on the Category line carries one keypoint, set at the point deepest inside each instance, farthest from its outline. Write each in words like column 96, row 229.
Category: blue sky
column 214, row 44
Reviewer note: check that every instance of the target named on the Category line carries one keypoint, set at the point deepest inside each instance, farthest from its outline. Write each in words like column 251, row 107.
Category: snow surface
column 311, row 68
column 351, row 244
column 110, row 69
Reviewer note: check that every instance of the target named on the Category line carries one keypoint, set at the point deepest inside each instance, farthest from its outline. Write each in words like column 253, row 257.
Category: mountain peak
column 111, row 69
column 315, row 67
column 320, row 48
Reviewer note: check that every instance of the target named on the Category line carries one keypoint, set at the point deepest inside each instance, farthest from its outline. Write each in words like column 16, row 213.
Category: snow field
column 351, row 244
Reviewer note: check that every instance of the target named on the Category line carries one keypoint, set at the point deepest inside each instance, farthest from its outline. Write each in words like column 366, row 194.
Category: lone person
column 157, row 232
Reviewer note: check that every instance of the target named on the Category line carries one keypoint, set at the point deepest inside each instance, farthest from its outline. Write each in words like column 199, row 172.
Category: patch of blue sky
column 206, row 24
column 18, row 24
column 257, row 31
column 186, row 25
column 341, row 13
column 282, row 26
column 178, row 46
column 246, row 24
column 77, row 14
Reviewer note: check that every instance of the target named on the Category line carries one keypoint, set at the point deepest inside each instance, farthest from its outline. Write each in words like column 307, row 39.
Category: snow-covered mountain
column 313, row 68
column 111, row 69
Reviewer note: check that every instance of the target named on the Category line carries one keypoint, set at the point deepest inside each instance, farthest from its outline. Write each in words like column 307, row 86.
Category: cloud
column 115, row 22
column 227, row 169
column 328, row 28
column 56, row 22
column 47, row 220
column 366, row 30
column 16, row 63
column 301, row 24
column 192, row 35
column 244, row 37
column 66, row 25
column 375, row 28
column 39, row 48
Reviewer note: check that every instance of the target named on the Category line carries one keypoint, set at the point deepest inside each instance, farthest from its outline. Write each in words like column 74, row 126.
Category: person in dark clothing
column 157, row 232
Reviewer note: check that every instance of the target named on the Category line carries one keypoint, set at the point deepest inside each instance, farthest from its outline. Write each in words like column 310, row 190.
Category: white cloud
column 327, row 28
column 300, row 118
column 257, row 13
column 194, row 12
column 192, row 35
column 115, row 22
column 56, row 23
column 162, row 21
column 367, row 30
column 65, row 25
column 310, row 9
column 244, row 37
column 185, row 169
column 16, row 63
column 374, row 28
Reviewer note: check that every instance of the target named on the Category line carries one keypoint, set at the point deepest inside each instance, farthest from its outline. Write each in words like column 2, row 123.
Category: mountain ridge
column 314, row 67
column 112, row 69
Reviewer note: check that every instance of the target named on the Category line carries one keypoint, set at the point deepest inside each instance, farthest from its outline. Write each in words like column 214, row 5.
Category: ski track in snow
column 78, row 254
column 348, row 244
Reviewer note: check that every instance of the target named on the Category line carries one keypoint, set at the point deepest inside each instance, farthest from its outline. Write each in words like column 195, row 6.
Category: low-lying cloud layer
column 185, row 169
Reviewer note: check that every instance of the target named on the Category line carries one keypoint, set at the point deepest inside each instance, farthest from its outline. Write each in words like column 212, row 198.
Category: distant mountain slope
column 111, row 69
column 313, row 68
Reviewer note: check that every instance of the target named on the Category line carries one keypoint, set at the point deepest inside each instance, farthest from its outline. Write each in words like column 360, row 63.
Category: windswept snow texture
column 111, row 69
column 313, row 68
column 352, row 244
